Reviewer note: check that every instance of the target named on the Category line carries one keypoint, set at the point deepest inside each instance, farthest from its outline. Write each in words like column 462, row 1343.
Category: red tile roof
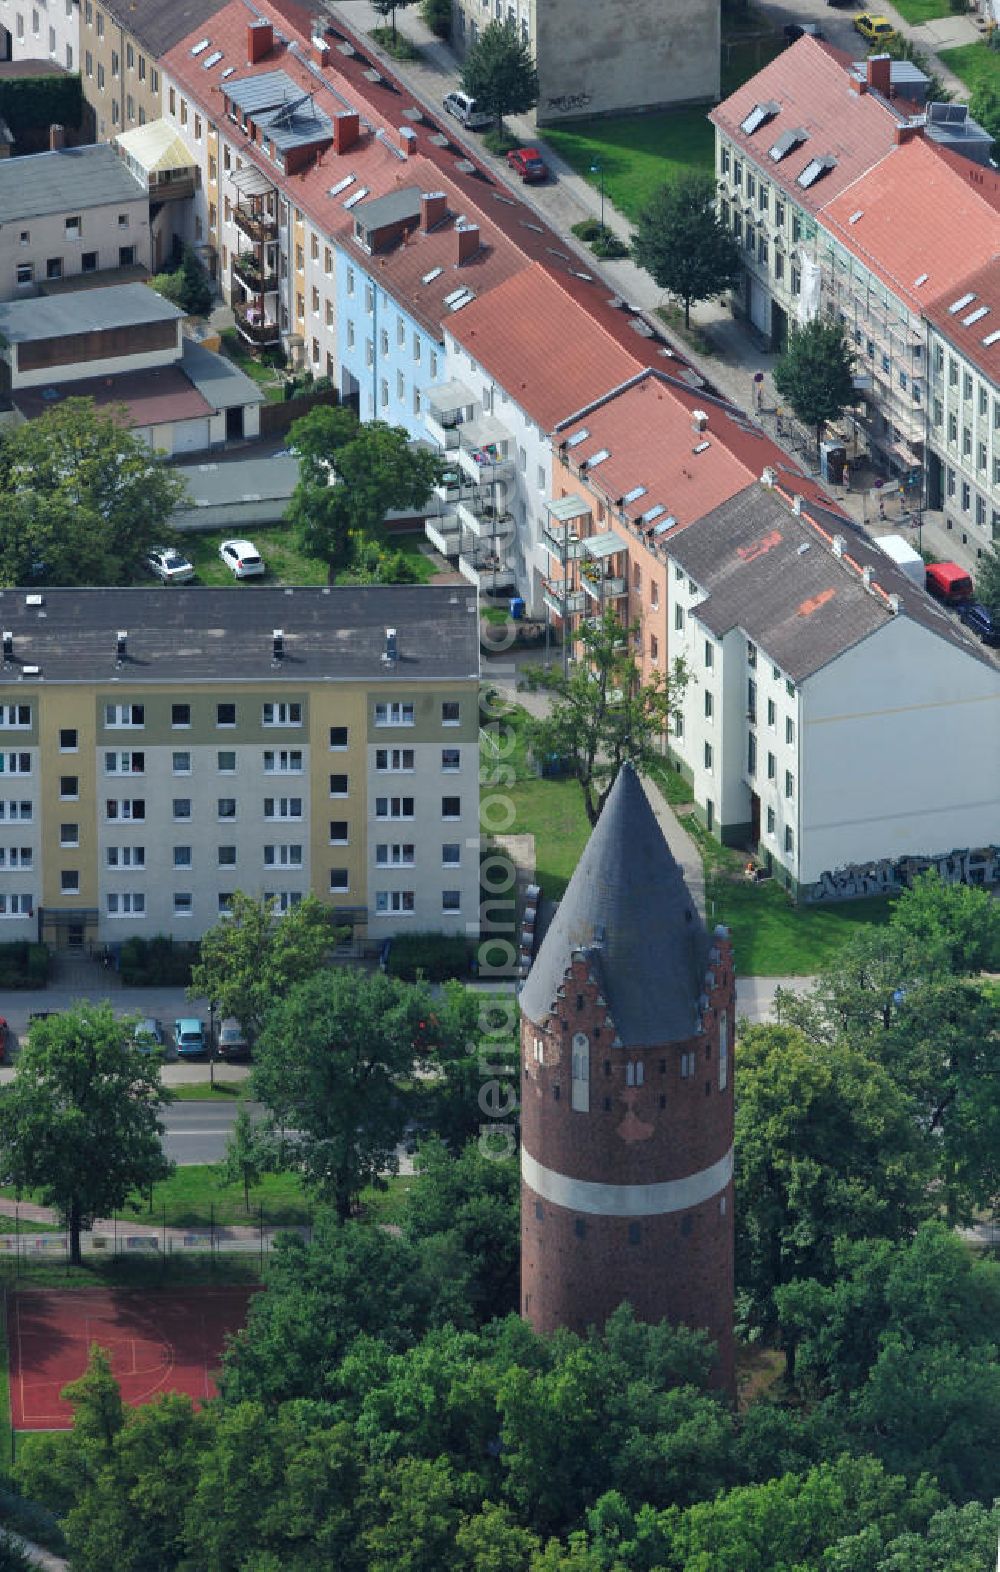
column 976, row 290
column 915, row 217
column 151, row 397
column 548, row 354
column 811, row 84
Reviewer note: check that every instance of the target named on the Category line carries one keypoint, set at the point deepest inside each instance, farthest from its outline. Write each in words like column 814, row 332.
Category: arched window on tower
column 635, row 1072
column 723, row 1051
column 580, row 1084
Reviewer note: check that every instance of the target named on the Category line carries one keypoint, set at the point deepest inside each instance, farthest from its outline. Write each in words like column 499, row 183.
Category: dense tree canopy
column 681, row 242
column 252, row 957
column 499, row 72
column 815, row 373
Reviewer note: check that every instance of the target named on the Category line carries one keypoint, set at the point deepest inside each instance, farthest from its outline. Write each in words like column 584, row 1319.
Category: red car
column 528, row 163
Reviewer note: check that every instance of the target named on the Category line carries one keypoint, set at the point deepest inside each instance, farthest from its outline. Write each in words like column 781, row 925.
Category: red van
column 948, row 582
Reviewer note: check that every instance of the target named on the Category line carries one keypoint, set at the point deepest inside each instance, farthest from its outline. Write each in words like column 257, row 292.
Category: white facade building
column 42, row 30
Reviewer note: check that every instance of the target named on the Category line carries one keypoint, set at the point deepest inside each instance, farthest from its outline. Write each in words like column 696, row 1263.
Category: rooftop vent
column 278, row 645
column 768, row 477
column 895, row 605
column 815, row 170
column 34, row 600
column 701, row 447
column 839, row 545
column 121, row 647
column 866, row 577
column 785, row 144
column 921, row 278
column 391, row 652
column 699, row 419
column 32, row 671
column 356, row 197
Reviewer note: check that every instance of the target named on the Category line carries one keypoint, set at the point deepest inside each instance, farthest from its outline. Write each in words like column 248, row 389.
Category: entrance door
column 754, row 819
column 760, row 307
column 935, row 488
column 234, row 423
column 74, row 935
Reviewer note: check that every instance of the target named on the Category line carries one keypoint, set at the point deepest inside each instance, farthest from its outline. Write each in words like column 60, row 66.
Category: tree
column 389, row 8
column 81, row 1121
column 253, row 957
column 681, row 242
column 988, row 581
column 474, row 1198
column 250, row 1153
column 331, row 1064
column 499, row 72
column 82, row 500
column 602, row 712
column 815, row 373
column 826, row 1147
column 345, row 491
column 901, row 47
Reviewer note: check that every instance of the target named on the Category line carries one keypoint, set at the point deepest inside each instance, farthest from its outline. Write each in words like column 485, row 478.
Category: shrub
column 608, row 245
column 23, row 965
column 587, row 229
column 500, row 142
column 169, row 285
column 156, row 962
column 434, row 956
column 437, row 15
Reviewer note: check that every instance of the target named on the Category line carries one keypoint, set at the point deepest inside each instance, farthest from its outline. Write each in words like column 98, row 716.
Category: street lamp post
column 598, row 169
column 211, row 1041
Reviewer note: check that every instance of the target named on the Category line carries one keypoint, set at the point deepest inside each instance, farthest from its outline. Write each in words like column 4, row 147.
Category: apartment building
column 597, row 57
column 41, row 30
column 74, row 212
column 963, row 434
column 121, row 44
column 836, row 719
column 161, row 749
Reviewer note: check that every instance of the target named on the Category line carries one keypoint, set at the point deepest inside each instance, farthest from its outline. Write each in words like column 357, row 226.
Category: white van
column 467, row 112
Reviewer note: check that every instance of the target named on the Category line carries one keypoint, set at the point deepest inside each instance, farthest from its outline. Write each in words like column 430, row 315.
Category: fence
column 126, row 1237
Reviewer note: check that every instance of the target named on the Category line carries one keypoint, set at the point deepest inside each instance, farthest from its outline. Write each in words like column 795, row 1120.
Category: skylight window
column 991, row 339
column 577, row 437
column 920, row 279
column 759, row 115
column 200, row 46
column 814, row 170
column 652, row 513
column 701, row 447
column 961, row 303
column 359, row 196
column 212, row 59
column 785, row 143
column 976, row 316
column 228, row 72
column 434, row 273
column 855, row 216
column 465, row 298
column 598, row 458
column 456, row 294
column 634, row 494
column 342, row 185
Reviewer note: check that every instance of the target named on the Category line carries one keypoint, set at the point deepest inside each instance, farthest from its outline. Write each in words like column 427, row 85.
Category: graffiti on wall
column 891, row 874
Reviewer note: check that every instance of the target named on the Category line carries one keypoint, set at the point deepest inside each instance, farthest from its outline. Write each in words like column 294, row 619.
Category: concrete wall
column 606, row 56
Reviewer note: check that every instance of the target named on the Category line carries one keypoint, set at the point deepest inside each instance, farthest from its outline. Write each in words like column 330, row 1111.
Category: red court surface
column 160, row 1341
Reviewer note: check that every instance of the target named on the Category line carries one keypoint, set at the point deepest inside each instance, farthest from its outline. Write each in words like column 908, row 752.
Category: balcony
column 564, row 602
column 257, row 226
column 449, row 487
column 446, row 409
column 482, row 519
column 485, row 450
column 247, row 269
column 561, row 542
column 255, row 328
column 602, row 588
column 444, row 533
column 486, row 571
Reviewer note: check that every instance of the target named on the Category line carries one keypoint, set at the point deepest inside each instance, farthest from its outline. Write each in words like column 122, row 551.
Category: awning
column 450, row 396
column 155, row 148
column 251, row 181
column 566, row 509
column 603, row 544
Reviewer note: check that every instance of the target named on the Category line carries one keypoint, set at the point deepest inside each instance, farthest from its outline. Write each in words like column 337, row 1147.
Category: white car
column 169, row 566
column 242, row 557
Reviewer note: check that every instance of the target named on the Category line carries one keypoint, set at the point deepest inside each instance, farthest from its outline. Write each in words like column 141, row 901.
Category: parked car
column 982, row 622
column 467, row 111
column 169, row 566
column 242, row 558
column 232, row 1042
column 877, row 29
column 948, row 582
column 794, row 30
column 189, row 1037
column 148, row 1035
column 528, row 163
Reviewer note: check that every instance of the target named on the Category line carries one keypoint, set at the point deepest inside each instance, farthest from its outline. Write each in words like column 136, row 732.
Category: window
column 69, row 881
column 69, row 834
column 115, row 63
column 226, row 760
column 16, row 857
column 401, row 902
column 709, row 705
column 182, row 807
column 751, row 754
column 338, row 832
column 789, row 840
column 395, row 855
column 13, row 810
column 339, row 880
column 100, row 76
column 679, row 619
column 127, row 763
column 678, row 724
column 227, row 807
column 338, row 737
column 394, row 759
column 451, row 759
column 180, row 714
column 772, row 767
column 580, row 1074
column 789, row 730
column 451, row 712
column 708, row 755
column 225, row 904
column 24, row 272
column 451, row 854
column 119, row 715
column 394, row 714
column 772, row 713
column 17, row 717
column 282, row 761
column 126, row 856
column 338, row 786
column 128, row 904
column 225, row 714
column 789, row 784
column 54, row 267
column 394, row 807
column 284, row 856
column 88, row 262
column 282, row 807
column 451, row 807
column 183, row 903
column 451, row 900
column 182, row 856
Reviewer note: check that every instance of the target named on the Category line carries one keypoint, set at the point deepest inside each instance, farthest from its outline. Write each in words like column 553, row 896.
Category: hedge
column 433, row 956
column 31, row 103
column 24, row 965
column 159, row 961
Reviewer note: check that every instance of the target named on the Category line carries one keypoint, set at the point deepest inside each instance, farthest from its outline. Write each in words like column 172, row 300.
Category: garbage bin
column 832, row 458
column 517, row 607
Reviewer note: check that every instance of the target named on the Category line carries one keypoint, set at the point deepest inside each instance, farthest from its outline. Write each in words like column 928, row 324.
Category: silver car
column 169, row 566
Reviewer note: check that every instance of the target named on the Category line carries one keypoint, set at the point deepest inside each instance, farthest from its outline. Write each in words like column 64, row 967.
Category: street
column 197, row 1132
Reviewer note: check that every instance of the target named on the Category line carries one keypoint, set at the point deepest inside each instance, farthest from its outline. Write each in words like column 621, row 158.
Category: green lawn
column 204, row 1091
column 6, row 1439
column 917, row 11
column 260, row 371
column 974, row 64
column 284, row 559
column 133, row 1271
column 637, row 153
column 193, row 1195
column 772, row 937
column 551, row 810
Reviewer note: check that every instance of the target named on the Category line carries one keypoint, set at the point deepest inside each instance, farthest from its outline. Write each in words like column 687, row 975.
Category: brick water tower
column 627, row 1112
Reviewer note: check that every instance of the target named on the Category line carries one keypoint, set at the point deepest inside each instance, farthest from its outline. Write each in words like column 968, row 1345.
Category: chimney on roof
column 277, row 646
column 407, row 141
column 319, row 49
column 121, row 647
column 433, row 208
column 768, row 477
column 8, row 647
column 57, row 138
column 260, row 40
column 797, row 504
column 906, row 132
column 858, row 84
column 391, row 652
column 467, row 240
column 878, row 74
column 839, row 544
column 866, row 578
column 346, row 130
column 699, row 420
column 895, row 605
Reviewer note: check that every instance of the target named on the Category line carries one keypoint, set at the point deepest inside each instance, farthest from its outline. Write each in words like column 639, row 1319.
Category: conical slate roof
column 629, row 908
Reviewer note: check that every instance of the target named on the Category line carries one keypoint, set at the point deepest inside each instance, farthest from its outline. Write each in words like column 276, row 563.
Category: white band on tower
column 626, row 1200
